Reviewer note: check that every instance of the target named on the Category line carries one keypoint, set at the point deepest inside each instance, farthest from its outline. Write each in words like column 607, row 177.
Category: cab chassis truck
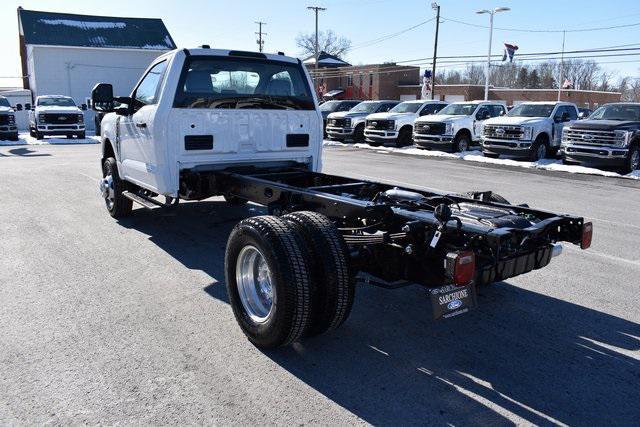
column 186, row 132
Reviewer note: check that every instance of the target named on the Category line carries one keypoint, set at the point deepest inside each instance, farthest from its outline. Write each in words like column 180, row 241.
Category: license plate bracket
column 450, row 301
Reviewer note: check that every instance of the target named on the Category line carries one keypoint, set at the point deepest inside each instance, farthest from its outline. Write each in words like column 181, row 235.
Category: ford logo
column 456, row 303
column 500, row 132
column 374, row 123
column 426, row 127
column 62, row 118
column 587, row 137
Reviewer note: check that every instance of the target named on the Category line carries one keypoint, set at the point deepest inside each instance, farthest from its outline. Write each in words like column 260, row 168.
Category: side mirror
column 27, row 106
column 83, row 107
column 18, row 107
column 102, row 97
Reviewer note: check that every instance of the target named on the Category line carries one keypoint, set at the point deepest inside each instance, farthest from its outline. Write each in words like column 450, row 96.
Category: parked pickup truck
column 350, row 124
column 396, row 126
column 188, row 132
column 531, row 130
column 56, row 115
column 609, row 137
column 335, row 106
column 8, row 128
column 455, row 127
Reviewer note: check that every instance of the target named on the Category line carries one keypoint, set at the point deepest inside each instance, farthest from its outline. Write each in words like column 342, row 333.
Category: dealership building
column 403, row 82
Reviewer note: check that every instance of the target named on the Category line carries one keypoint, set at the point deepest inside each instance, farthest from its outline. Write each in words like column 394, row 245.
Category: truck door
column 481, row 115
column 138, row 155
column 564, row 115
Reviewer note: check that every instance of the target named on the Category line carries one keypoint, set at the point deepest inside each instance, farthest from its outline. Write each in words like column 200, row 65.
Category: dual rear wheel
column 288, row 277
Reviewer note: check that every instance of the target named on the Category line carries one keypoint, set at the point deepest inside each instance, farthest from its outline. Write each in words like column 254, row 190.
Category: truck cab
column 350, row 124
column 531, row 130
column 457, row 126
column 56, row 115
column 610, row 137
column 207, row 109
column 396, row 126
column 8, row 127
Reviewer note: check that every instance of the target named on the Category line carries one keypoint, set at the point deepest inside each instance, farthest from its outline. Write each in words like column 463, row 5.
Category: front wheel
column 358, row 134
column 632, row 163
column 39, row 135
column 82, row 135
column 538, row 151
column 111, row 188
column 404, row 138
column 268, row 281
column 461, row 143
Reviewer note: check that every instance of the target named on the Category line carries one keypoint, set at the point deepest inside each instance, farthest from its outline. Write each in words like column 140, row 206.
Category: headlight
column 347, row 122
column 565, row 133
column 622, row 138
column 527, row 132
column 80, row 118
column 392, row 124
column 448, row 128
column 41, row 118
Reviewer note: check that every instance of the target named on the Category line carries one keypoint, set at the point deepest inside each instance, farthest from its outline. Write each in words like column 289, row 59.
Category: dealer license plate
column 449, row 301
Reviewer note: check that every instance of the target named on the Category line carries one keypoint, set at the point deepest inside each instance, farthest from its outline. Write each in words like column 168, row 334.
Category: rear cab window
column 242, row 82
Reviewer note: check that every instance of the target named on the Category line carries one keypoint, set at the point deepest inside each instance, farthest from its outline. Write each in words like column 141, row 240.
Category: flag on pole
column 567, row 84
column 509, row 51
column 426, row 84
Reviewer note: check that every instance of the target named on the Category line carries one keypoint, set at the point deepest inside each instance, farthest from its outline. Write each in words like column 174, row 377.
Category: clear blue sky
column 230, row 24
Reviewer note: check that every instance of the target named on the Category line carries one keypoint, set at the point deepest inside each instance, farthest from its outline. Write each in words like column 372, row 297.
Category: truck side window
column 147, row 90
column 573, row 115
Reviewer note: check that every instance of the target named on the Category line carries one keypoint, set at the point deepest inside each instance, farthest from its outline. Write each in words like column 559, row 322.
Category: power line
column 519, row 30
column 389, row 36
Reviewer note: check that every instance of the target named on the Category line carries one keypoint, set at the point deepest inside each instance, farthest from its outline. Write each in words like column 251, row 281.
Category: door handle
column 141, row 125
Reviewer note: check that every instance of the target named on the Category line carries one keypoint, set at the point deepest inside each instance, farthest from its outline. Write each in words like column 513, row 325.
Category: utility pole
column 436, row 7
column 260, row 34
column 561, row 83
column 316, row 9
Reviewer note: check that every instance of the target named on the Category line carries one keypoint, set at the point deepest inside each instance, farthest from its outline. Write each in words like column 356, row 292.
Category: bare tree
column 328, row 42
column 474, row 74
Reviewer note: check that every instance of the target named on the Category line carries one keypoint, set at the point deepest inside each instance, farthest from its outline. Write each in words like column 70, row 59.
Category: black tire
column 120, row 207
column 358, row 133
column 97, row 124
column 82, row 135
column 539, row 150
column 14, row 137
column 32, row 133
column 235, row 201
column 404, row 137
column 491, row 155
column 487, row 196
column 632, row 162
column 39, row 135
column 285, row 256
column 333, row 289
column 462, row 142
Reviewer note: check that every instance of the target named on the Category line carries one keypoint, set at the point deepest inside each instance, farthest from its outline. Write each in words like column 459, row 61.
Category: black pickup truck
column 609, row 137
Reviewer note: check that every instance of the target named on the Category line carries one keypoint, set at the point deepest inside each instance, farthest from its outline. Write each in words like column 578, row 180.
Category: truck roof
column 480, row 101
column 53, row 96
column 547, row 103
column 200, row 51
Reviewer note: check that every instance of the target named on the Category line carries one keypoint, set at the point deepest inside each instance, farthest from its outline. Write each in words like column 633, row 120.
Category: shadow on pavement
column 26, row 152
column 521, row 355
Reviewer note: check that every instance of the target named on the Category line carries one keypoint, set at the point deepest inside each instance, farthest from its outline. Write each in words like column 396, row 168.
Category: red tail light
column 587, row 233
column 461, row 267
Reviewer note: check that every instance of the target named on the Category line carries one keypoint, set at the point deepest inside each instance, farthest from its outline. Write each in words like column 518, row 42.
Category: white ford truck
column 56, row 115
column 344, row 125
column 455, row 127
column 396, row 126
column 8, row 127
column 246, row 125
column 532, row 130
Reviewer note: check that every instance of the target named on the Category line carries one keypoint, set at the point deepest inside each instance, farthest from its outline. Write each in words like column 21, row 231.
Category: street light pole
column 435, row 6
column 488, row 69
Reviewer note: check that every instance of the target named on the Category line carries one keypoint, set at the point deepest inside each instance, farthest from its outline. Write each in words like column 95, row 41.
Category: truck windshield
column 330, row 106
column 56, row 102
column 624, row 112
column 366, row 107
column 532, row 110
column 232, row 82
column 406, row 107
column 459, row 109
column 4, row 102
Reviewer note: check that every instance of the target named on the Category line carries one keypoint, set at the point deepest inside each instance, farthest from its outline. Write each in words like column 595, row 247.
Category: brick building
column 391, row 81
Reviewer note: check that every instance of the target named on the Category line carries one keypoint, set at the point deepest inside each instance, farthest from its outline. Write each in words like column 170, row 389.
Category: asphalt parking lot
column 128, row 322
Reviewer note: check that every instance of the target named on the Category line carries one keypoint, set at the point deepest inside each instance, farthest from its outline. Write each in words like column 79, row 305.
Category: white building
column 67, row 54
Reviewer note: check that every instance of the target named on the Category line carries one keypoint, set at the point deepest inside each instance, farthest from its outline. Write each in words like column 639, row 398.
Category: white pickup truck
column 56, row 115
column 532, row 130
column 396, row 126
column 344, row 125
column 456, row 126
column 246, row 126
column 8, row 127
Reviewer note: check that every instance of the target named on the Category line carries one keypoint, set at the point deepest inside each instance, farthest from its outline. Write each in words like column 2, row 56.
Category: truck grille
column 430, row 128
column 337, row 122
column 503, row 132
column 591, row 136
column 61, row 119
column 380, row 124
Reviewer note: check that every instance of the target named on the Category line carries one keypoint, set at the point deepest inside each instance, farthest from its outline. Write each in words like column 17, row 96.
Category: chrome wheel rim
column 542, row 152
column 463, row 145
column 255, row 289
column 106, row 189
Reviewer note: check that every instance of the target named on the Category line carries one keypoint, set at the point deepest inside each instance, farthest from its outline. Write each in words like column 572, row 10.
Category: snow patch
column 26, row 139
column 476, row 156
column 85, row 25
